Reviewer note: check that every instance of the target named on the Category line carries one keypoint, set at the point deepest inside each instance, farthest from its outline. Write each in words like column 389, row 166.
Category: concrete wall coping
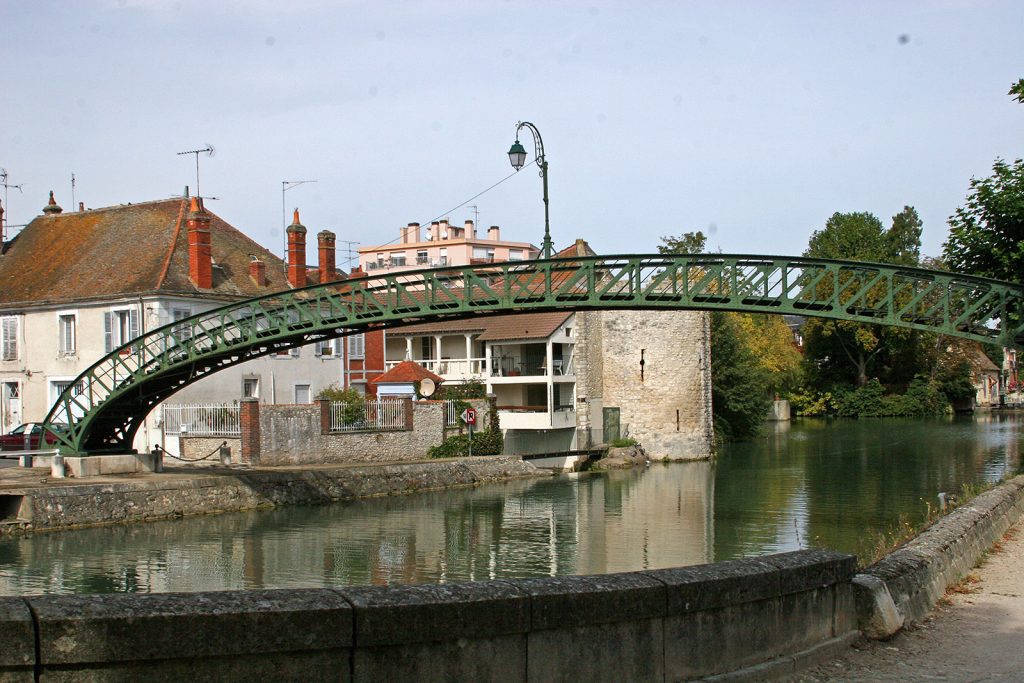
column 173, row 631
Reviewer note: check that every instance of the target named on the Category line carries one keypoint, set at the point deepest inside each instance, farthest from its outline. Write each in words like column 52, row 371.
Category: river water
column 809, row 484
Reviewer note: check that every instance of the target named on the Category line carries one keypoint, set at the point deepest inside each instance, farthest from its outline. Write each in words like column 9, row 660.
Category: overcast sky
column 752, row 121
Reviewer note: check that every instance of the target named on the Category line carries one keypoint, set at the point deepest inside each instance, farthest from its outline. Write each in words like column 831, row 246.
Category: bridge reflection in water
column 818, row 484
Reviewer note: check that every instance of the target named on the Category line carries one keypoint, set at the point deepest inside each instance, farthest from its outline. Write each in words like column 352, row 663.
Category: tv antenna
column 285, row 186
column 350, row 252
column 73, row 205
column 476, row 217
column 208, row 151
column 7, row 205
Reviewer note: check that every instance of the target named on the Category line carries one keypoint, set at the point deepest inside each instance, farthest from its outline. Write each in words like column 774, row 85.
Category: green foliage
column 353, row 402
column 471, row 389
column 687, row 243
column 739, row 383
column 986, row 235
column 1017, row 90
column 623, row 443
column 487, row 442
column 923, row 397
column 846, row 352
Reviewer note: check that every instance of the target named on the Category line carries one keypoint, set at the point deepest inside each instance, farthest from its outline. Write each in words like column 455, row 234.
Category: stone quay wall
column 76, row 505
column 764, row 617
column 905, row 585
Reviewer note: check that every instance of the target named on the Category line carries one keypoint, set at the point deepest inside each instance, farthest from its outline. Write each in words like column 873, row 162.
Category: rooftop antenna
column 352, row 254
column 476, row 215
column 73, row 205
column 285, row 186
column 7, row 205
column 209, row 151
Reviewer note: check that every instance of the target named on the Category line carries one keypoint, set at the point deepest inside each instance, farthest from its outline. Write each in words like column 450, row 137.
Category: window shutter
column 133, row 323
column 108, row 331
column 10, row 335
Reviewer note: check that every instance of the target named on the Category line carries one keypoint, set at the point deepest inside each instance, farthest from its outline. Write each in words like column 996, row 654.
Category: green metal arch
column 106, row 404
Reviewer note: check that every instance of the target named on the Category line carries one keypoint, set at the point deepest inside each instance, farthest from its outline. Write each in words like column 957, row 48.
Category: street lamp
column 517, row 156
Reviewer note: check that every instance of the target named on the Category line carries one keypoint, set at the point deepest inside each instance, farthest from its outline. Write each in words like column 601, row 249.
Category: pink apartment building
column 443, row 244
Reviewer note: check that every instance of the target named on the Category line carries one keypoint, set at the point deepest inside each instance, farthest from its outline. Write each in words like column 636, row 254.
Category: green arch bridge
column 106, row 404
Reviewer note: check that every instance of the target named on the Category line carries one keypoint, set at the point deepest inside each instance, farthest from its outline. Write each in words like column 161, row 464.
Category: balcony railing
column 449, row 368
column 536, row 417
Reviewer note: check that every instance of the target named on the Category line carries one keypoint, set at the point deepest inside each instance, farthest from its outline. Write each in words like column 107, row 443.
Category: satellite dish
column 427, row 387
column 430, row 236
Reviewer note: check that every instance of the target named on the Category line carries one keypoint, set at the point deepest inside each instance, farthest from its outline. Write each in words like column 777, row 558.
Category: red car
column 26, row 437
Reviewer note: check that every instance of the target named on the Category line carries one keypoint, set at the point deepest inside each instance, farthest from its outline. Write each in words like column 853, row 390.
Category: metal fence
column 451, row 413
column 382, row 414
column 191, row 419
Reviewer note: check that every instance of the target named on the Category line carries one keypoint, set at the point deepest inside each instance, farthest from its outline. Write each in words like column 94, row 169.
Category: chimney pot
column 52, row 207
column 200, row 259
column 325, row 248
column 296, row 252
column 494, row 233
column 81, row 206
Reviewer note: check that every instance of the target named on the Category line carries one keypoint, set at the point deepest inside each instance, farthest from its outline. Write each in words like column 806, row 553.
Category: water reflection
column 812, row 484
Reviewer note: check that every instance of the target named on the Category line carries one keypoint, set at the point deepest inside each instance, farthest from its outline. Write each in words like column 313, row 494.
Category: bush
column 922, row 397
column 474, row 388
column 487, row 442
column 352, row 401
column 623, row 443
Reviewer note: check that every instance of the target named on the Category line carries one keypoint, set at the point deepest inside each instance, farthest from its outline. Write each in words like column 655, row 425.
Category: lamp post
column 517, row 155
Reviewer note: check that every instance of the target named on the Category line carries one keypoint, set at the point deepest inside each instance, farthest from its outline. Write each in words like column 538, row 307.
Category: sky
column 750, row 121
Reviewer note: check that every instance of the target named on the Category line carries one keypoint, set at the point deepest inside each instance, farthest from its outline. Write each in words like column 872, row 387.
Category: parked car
column 26, row 437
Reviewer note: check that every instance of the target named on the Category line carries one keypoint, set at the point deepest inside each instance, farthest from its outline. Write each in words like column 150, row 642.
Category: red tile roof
column 406, row 371
column 127, row 250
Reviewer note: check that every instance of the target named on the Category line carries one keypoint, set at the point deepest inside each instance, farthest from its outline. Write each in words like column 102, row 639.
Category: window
column 302, row 393
column 325, row 348
column 9, row 332
column 483, row 254
column 426, row 348
column 58, row 386
column 119, row 327
column 398, row 259
column 181, row 332
column 380, row 260
column 422, row 258
column 444, row 256
column 515, row 254
column 251, row 387
column 66, row 334
column 357, row 346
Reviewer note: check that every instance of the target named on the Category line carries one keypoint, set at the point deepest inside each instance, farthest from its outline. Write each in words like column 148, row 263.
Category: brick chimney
column 325, row 249
column 258, row 272
column 200, row 263
column 494, row 233
column 51, row 207
column 470, row 229
column 297, row 252
column 413, row 231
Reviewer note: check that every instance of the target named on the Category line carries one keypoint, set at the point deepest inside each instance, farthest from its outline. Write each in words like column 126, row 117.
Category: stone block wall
column 766, row 616
column 299, row 435
column 667, row 406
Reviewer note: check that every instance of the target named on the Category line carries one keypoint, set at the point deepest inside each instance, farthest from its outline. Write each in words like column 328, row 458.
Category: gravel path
column 978, row 635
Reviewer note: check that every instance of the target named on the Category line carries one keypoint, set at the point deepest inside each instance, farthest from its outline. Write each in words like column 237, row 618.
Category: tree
column 739, row 385
column 842, row 351
column 1017, row 89
column 687, row 243
column 986, row 235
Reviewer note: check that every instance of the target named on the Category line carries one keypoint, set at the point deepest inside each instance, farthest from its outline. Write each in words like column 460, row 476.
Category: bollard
column 26, row 461
column 57, row 466
column 158, row 458
column 225, row 454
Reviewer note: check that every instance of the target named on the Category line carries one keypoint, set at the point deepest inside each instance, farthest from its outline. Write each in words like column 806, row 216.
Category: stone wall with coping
column 91, row 504
column 300, row 435
column 765, row 617
column 905, row 585
column 197, row 450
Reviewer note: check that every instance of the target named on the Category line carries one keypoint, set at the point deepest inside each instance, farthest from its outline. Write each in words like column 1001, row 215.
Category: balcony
column 518, row 366
column 536, row 417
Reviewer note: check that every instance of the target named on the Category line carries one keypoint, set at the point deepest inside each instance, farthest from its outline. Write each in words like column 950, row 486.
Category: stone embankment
column 139, row 498
column 622, row 458
column 905, row 585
